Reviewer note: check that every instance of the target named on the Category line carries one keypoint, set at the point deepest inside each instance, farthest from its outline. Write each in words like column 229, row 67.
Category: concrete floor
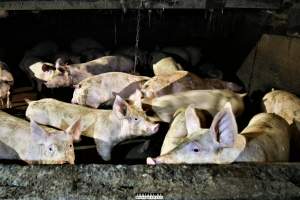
column 237, row 181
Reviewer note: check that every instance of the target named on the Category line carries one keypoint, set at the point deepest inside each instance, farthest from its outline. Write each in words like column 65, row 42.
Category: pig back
column 268, row 138
column 13, row 131
column 211, row 101
column 61, row 115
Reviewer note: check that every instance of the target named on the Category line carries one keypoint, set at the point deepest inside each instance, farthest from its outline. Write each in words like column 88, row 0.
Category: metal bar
column 135, row 4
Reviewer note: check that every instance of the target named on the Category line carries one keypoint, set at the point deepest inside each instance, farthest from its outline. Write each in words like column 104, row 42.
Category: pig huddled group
column 176, row 96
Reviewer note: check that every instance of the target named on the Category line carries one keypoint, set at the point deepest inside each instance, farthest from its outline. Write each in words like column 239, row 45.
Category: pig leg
column 1, row 101
column 103, row 149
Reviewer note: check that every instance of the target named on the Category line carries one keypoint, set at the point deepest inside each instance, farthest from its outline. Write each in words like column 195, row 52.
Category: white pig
column 69, row 75
column 181, row 81
column 178, row 129
column 35, row 145
column 265, row 139
column 166, row 66
column 210, row 100
column 107, row 127
column 6, row 82
column 102, row 88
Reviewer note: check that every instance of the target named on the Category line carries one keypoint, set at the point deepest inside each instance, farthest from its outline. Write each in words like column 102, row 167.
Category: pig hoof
column 150, row 161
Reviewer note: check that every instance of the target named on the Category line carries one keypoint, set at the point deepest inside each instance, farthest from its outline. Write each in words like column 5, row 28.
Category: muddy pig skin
column 102, row 88
column 282, row 103
column 181, row 81
column 211, row 101
column 6, row 82
column 69, row 75
column 26, row 141
column 286, row 105
column 178, row 129
column 166, row 66
column 265, row 139
column 107, row 127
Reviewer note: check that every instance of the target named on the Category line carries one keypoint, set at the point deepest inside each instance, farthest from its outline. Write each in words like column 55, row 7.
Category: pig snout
column 150, row 161
column 152, row 128
column 155, row 161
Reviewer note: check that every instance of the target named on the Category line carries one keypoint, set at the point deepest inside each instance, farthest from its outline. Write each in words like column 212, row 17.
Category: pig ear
column 191, row 120
column 120, row 107
column 136, row 98
column 46, row 67
column 75, row 130
column 224, row 127
column 38, row 134
column 57, row 63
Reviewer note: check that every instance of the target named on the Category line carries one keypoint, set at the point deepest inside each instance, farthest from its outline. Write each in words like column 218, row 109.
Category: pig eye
column 196, row 150
column 50, row 149
column 79, row 85
column 70, row 145
column 135, row 119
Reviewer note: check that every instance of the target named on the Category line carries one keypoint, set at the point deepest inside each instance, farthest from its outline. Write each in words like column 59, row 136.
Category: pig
column 70, row 75
column 282, row 103
column 102, row 88
column 210, row 100
column 6, row 82
column 286, row 105
column 35, row 145
column 107, row 127
column 166, row 66
column 181, row 81
column 265, row 139
column 178, row 130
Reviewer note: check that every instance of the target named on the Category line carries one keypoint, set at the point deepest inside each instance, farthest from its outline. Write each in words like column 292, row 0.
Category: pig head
column 37, row 145
column 178, row 129
column 221, row 143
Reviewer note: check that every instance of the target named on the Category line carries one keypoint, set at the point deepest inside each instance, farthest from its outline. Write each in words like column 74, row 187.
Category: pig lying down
column 181, row 81
column 265, row 139
column 102, row 88
column 69, row 75
column 34, row 144
column 107, row 127
column 210, row 100
column 6, row 82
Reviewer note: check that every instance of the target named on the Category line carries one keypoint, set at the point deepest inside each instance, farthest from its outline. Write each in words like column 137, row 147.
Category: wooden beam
column 135, row 4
